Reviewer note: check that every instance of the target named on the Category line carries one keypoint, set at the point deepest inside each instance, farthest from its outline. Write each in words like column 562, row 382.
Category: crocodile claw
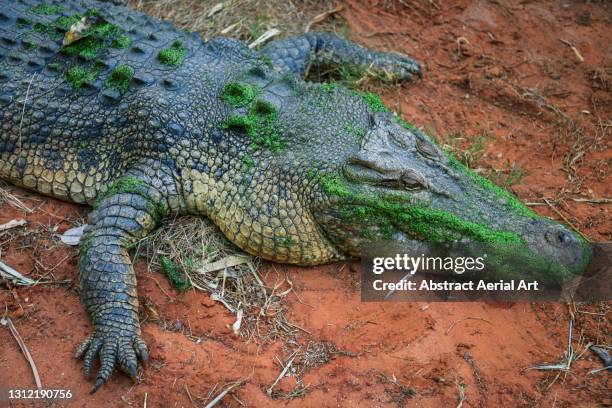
column 118, row 350
column 399, row 66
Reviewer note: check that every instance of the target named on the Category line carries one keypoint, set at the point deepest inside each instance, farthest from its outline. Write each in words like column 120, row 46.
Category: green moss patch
column 30, row 45
column 421, row 222
column 99, row 36
column 157, row 210
column 239, row 94
column 46, row 30
column 514, row 203
column 374, row 102
column 77, row 76
column 65, row 22
column 86, row 48
column 45, row 9
column 123, row 185
column 248, row 162
column 55, row 66
column 119, row 78
column 333, row 185
column 259, row 124
column 121, row 41
column 356, row 130
column 96, row 38
column 176, row 275
column 329, row 87
column 174, row 55
column 23, row 22
column 267, row 61
column 133, row 185
column 104, row 30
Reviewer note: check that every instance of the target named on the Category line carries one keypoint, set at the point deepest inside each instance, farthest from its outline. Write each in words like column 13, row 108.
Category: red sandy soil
column 482, row 60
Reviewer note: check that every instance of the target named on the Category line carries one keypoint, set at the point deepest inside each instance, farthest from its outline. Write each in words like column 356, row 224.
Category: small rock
column 494, row 72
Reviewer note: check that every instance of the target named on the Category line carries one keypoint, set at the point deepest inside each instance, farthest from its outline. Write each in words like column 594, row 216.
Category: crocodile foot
column 396, row 66
column 116, row 348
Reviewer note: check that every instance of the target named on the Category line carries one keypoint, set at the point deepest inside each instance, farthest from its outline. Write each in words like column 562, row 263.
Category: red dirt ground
column 490, row 66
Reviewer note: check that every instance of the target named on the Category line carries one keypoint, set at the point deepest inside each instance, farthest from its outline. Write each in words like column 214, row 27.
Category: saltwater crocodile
column 104, row 106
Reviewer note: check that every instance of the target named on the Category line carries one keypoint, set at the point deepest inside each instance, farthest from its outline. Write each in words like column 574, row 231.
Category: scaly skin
column 142, row 120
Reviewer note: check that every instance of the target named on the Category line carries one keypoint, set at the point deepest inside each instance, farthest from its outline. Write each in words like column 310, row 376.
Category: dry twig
column 467, row 318
column 11, row 274
column 223, row 393
column 573, row 48
column 24, row 349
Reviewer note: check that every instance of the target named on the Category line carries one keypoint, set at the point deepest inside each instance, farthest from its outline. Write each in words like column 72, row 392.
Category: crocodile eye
column 426, row 148
column 403, row 139
column 413, row 180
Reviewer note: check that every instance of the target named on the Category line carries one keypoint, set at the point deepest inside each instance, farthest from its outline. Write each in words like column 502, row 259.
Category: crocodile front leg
column 297, row 54
column 131, row 208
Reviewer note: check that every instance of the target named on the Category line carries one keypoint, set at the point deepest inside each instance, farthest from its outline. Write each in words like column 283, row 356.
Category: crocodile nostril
column 559, row 237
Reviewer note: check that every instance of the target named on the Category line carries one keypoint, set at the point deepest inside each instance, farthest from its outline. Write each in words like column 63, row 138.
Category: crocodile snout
column 560, row 243
column 559, row 237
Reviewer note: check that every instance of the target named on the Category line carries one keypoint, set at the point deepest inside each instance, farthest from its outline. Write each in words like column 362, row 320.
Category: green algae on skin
column 329, row 87
column 267, row 61
column 514, row 203
column 100, row 35
column 133, row 185
column 30, row 45
column 45, row 9
column 95, row 39
column 23, row 22
column 84, row 245
column 157, row 210
column 248, row 162
column 174, row 55
column 422, row 222
column 123, row 185
column 55, row 66
column 121, row 41
column 78, row 75
column 356, row 130
column 259, row 123
column 46, row 30
column 239, row 94
column 259, row 126
column 86, row 48
column 374, row 102
column 119, row 78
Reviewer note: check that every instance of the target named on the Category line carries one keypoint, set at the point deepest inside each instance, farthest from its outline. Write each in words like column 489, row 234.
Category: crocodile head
column 398, row 185
column 336, row 170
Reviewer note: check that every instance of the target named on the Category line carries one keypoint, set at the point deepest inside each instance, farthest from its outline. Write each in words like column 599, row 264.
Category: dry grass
column 301, row 357
column 7, row 196
column 241, row 19
column 209, row 262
